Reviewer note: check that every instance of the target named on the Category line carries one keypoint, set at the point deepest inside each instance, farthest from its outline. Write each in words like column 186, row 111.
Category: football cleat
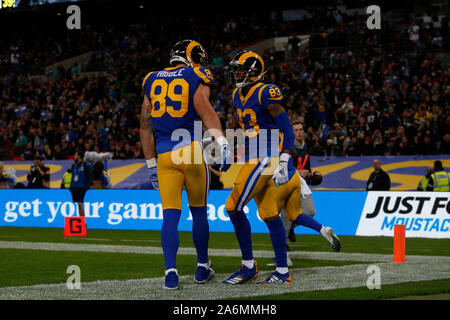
column 242, row 275
column 332, row 238
column 171, row 280
column 291, row 235
column 278, row 278
column 203, row 274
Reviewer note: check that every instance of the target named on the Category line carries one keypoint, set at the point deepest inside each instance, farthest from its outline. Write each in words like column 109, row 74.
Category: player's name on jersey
column 170, row 74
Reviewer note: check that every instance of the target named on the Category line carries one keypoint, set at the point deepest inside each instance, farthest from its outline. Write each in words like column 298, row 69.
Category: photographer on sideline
column 39, row 175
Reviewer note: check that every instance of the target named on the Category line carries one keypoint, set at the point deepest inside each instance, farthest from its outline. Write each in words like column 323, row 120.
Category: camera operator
column 39, row 175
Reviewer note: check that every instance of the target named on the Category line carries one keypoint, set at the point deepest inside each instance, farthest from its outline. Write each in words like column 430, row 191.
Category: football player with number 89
column 177, row 98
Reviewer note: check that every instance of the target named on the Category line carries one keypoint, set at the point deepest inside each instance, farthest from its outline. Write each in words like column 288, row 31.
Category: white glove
column 152, row 173
column 225, row 154
column 281, row 174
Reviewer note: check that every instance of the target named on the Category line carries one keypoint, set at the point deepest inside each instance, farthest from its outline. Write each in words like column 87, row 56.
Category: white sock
column 282, row 270
column 170, row 270
column 204, row 265
column 248, row 263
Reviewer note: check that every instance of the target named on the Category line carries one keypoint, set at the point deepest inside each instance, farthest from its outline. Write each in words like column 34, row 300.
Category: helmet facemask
column 243, row 74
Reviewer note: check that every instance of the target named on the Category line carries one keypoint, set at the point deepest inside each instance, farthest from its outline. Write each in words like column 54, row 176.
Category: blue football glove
column 153, row 177
column 225, row 154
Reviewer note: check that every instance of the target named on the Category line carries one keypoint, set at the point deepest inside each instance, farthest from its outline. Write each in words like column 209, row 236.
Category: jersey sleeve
column 145, row 86
column 270, row 94
column 5, row 178
column 145, row 79
column 204, row 75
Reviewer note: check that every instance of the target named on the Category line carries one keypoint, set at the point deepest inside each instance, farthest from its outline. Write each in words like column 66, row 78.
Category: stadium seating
column 359, row 92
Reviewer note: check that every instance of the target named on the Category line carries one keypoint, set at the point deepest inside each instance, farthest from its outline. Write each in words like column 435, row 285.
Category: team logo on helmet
column 246, row 68
column 189, row 52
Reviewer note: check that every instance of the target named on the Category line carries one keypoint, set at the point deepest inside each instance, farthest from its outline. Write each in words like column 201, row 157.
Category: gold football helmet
column 189, row 52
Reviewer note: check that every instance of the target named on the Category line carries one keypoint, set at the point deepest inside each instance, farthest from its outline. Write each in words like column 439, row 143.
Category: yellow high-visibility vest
column 441, row 180
column 423, row 183
column 67, row 178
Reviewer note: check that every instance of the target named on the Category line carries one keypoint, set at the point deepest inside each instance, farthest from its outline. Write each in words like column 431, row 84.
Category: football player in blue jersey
column 269, row 140
column 177, row 99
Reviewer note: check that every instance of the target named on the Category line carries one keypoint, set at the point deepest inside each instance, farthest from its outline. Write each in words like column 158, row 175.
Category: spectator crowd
column 358, row 91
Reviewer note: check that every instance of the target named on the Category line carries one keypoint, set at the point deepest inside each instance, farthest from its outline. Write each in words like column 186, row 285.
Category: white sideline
column 416, row 268
column 308, row 279
column 339, row 256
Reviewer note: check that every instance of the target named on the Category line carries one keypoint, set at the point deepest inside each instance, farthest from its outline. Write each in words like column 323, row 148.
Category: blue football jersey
column 171, row 95
column 4, row 178
column 262, row 135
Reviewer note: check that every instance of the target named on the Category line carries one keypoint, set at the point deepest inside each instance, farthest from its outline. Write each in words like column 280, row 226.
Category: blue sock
column 170, row 240
column 278, row 237
column 105, row 165
column 200, row 232
column 307, row 221
column 243, row 233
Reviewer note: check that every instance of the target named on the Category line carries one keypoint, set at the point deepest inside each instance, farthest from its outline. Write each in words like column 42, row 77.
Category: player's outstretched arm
column 284, row 124
column 148, row 141
column 281, row 175
column 212, row 123
column 206, row 112
column 146, row 130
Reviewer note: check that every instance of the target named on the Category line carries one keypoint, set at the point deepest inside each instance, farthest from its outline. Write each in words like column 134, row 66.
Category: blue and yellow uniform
column 181, row 161
column 5, row 180
column 288, row 196
column 263, row 142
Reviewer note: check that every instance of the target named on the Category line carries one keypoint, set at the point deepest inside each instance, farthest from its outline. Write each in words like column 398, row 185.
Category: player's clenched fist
column 281, row 175
column 153, row 177
column 225, row 153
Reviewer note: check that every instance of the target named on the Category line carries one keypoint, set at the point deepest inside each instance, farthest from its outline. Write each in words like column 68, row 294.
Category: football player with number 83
column 269, row 140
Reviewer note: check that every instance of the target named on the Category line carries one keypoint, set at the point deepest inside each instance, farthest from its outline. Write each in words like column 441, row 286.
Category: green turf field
column 120, row 264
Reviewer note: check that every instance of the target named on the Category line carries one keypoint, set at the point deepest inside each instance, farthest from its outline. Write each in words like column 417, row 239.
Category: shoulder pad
column 274, row 92
column 205, row 75
column 145, row 79
column 269, row 94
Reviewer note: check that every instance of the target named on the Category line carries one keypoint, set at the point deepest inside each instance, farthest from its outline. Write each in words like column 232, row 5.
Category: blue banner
column 141, row 210
column 425, row 214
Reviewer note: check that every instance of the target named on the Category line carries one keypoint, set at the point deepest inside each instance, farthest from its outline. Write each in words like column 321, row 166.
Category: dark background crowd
column 358, row 91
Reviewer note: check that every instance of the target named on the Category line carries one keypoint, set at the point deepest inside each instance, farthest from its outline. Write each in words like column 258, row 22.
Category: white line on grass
column 308, row 279
column 340, row 256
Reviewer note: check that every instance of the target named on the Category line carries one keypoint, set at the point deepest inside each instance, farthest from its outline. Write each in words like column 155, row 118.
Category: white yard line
column 341, row 256
column 308, row 279
column 417, row 268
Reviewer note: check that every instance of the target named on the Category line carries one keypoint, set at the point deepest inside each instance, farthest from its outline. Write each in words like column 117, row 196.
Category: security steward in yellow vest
column 66, row 179
column 439, row 180
column 423, row 183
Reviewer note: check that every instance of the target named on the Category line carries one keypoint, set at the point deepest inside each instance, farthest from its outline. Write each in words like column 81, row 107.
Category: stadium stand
column 358, row 91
